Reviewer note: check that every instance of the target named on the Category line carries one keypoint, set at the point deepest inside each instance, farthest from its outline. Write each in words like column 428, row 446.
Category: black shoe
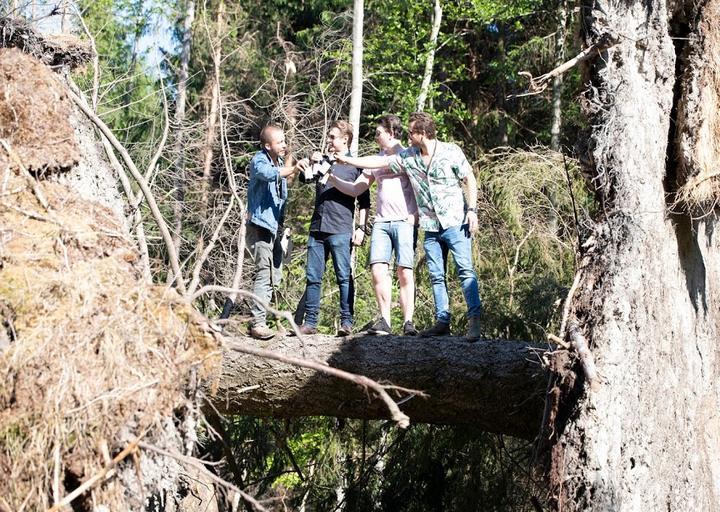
column 345, row 330
column 439, row 329
column 380, row 328
column 409, row 329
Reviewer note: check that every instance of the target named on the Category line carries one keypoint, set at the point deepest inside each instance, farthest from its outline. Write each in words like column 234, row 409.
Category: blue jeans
column 338, row 245
column 457, row 239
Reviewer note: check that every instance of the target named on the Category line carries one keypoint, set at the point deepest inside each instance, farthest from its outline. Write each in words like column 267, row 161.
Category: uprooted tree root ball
column 34, row 112
column 94, row 358
column 698, row 119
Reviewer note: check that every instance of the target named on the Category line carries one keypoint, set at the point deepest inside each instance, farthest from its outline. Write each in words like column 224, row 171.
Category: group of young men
column 429, row 185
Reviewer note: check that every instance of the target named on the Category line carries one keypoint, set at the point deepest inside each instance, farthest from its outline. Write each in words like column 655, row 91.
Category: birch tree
column 357, row 72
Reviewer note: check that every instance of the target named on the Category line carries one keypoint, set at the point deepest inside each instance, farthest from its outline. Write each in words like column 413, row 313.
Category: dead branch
column 580, row 344
column 200, row 465
column 23, row 170
column 130, row 448
column 539, row 84
column 211, row 245
column 142, row 183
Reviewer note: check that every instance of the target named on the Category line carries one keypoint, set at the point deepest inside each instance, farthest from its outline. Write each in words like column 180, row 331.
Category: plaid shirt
column 438, row 187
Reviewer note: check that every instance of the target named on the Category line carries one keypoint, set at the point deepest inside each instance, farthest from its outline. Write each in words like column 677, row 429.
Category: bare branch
column 200, row 465
column 211, row 245
column 539, row 84
column 90, row 482
column 143, row 184
column 37, row 190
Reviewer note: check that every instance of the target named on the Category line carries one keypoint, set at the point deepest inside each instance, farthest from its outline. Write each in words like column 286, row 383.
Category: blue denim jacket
column 267, row 192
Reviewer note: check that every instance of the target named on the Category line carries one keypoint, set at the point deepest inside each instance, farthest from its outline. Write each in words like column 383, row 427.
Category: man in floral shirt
column 446, row 193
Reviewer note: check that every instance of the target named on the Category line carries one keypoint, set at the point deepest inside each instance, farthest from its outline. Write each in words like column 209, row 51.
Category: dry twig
column 142, row 183
column 90, row 482
column 539, row 84
column 397, row 415
column 200, row 465
column 31, row 181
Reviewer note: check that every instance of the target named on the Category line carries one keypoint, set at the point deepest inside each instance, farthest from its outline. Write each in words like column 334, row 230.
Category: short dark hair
column 344, row 127
column 265, row 132
column 392, row 124
column 424, row 123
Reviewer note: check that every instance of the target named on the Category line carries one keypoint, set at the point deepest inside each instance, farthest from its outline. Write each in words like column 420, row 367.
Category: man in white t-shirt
column 394, row 229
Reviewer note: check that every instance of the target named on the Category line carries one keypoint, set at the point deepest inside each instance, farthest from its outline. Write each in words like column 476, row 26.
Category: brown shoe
column 305, row 330
column 261, row 332
column 345, row 330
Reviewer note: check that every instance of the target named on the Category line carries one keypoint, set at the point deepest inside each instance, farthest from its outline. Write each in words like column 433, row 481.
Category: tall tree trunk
column 503, row 136
column 179, row 120
column 212, row 123
column 646, row 436
column 557, row 84
column 357, row 72
column 429, row 61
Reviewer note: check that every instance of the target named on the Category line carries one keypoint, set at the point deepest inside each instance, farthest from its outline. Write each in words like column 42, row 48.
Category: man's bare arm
column 365, row 162
column 361, row 184
column 470, row 191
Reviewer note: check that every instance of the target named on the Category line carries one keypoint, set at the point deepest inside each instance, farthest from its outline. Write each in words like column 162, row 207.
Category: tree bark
column 557, row 84
column 430, row 60
column 357, row 73
column 497, row 386
column 648, row 438
column 211, row 123
column 179, row 120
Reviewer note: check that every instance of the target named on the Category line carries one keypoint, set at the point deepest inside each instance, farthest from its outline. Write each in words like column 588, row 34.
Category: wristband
column 472, row 210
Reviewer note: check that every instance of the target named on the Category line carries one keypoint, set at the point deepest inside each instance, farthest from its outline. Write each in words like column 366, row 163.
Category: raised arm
column 365, row 162
column 266, row 171
column 360, row 185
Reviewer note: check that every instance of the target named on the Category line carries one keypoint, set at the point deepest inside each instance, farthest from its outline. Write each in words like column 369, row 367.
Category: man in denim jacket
column 267, row 194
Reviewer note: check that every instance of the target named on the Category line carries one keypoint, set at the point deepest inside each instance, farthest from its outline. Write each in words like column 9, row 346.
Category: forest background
column 221, row 70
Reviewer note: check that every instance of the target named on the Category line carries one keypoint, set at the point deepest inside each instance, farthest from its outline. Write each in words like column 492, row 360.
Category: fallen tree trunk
column 498, row 386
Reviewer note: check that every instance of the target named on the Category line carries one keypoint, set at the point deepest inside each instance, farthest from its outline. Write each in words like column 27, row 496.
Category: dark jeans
column 318, row 247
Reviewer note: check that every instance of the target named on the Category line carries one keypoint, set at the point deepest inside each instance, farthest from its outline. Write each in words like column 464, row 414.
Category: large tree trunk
column 647, row 437
column 495, row 385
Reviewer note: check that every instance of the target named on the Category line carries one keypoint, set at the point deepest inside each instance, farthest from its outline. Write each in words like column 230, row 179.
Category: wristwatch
column 472, row 210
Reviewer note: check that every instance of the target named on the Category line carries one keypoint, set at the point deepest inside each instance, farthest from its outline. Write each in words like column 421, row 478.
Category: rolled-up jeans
column 458, row 241
column 266, row 253
column 338, row 245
